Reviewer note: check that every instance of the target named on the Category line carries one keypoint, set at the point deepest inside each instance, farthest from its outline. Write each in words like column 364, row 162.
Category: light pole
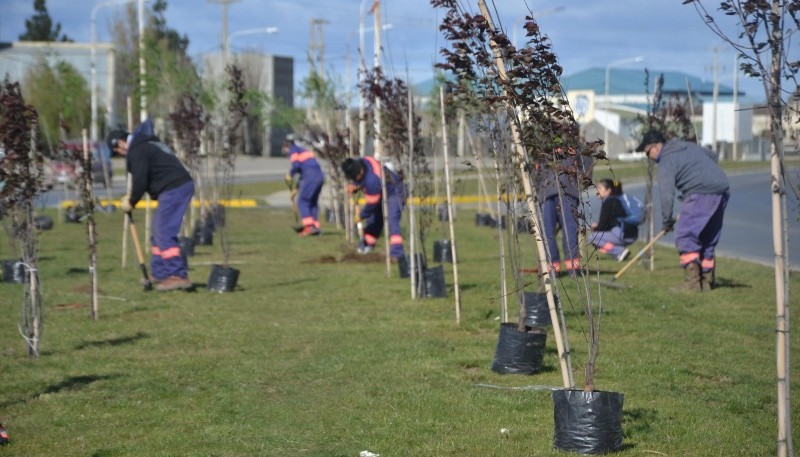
column 606, row 102
column 535, row 15
column 269, row 30
column 93, row 18
column 362, row 69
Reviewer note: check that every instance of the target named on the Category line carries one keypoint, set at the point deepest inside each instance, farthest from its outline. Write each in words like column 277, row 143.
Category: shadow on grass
column 114, row 341
column 637, row 421
column 731, row 284
column 296, row 281
column 70, row 384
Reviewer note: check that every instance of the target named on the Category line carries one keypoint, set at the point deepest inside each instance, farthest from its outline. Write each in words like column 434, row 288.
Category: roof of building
column 625, row 81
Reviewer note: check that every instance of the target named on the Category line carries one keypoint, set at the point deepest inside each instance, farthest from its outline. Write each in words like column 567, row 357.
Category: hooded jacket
column 153, row 166
column 690, row 169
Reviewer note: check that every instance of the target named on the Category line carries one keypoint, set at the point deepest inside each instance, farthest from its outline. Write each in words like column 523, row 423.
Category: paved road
column 747, row 233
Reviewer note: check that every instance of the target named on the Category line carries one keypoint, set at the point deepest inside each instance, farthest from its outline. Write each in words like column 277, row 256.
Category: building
column 271, row 75
column 607, row 103
column 17, row 58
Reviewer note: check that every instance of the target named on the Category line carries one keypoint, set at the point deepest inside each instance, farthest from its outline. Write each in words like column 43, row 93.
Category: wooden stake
column 95, row 314
column 530, row 197
column 412, row 233
column 449, row 195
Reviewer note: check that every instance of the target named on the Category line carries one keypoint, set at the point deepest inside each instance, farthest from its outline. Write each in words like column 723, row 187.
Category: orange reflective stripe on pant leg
column 689, row 257
column 606, row 248
column 371, row 240
column 308, row 221
column 396, row 239
column 155, row 251
column 707, row 264
column 572, row 264
column 171, row 252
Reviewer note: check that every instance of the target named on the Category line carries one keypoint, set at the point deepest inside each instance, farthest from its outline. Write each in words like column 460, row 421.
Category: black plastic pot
column 203, row 234
column 443, row 251
column 433, row 285
column 13, row 271
column 480, row 218
column 492, row 222
column 519, row 352
column 222, row 279
column 537, row 311
column 186, row 245
column 73, row 215
column 524, row 225
column 441, row 211
column 587, row 422
column 43, row 222
column 404, row 265
column 216, row 216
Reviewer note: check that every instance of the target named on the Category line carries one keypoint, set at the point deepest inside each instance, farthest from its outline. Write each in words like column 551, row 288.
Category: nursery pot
column 519, row 352
column 587, row 422
column 404, row 265
column 13, row 271
column 480, row 218
column 443, row 251
column 222, row 279
column 73, row 215
column 537, row 311
column 433, row 285
column 203, row 234
column 186, row 245
column 442, row 213
column 523, row 225
column 216, row 217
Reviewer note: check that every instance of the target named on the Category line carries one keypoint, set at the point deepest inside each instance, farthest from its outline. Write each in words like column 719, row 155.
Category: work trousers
column 699, row 227
column 610, row 242
column 374, row 224
column 552, row 217
column 308, row 200
column 166, row 258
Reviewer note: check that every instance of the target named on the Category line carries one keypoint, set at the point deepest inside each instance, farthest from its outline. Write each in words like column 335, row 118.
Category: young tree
column 765, row 30
column 40, row 26
column 60, row 95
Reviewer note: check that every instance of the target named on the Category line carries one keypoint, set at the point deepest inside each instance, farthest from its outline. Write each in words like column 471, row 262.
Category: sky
column 585, row 34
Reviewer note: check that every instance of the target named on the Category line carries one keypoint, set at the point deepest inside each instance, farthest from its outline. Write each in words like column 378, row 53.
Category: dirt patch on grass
column 322, row 259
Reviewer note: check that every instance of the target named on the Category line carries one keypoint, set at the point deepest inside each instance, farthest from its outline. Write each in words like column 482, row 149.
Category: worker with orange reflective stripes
column 692, row 170
column 366, row 174
column 153, row 168
column 304, row 164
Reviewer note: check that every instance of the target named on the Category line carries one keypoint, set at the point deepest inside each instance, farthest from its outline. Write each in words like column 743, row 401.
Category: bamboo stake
column 481, row 181
column 128, row 184
column 95, row 314
column 530, row 196
column 503, row 285
column 412, row 233
column 449, row 196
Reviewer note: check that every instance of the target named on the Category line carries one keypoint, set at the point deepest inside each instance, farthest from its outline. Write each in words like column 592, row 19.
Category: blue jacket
column 304, row 163
column 370, row 184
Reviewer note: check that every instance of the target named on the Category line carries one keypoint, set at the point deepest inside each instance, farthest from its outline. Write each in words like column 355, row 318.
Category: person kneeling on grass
column 610, row 235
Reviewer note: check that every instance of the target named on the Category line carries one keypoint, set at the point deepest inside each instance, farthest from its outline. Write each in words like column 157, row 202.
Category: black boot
column 708, row 280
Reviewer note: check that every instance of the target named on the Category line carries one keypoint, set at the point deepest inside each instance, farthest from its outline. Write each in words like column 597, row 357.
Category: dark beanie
column 352, row 167
column 114, row 136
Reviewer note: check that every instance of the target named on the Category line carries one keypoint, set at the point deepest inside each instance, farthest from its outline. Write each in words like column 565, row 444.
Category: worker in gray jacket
column 693, row 171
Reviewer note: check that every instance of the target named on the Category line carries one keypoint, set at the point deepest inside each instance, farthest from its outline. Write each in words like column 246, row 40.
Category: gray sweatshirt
column 690, row 169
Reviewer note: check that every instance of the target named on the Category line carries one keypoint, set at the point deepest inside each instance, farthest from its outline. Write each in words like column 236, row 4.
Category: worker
column 365, row 175
column 153, row 168
column 311, row 179
column 694, row 172
column 557, row 186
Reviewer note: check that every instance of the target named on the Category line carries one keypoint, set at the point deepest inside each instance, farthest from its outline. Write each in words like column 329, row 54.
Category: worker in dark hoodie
column 693, row 171
column 153, row 168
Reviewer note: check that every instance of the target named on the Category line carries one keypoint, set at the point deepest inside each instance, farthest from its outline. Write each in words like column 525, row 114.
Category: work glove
column 125, row 204
column 668, row 225
column 289, row 180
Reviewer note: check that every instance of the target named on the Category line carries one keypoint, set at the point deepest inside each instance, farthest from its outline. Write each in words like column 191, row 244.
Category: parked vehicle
column 64, row 166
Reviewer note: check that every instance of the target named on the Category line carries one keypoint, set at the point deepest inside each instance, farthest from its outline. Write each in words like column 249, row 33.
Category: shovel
column 148, row 285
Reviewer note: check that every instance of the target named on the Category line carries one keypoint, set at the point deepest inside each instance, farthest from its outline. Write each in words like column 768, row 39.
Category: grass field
column 317, row 354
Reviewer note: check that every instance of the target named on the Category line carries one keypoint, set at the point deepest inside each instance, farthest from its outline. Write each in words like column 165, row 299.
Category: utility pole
column 142, row 71
column 376, row 11
column 316, row 47
column 224, row 38
column 735, row 153
column 714, row 99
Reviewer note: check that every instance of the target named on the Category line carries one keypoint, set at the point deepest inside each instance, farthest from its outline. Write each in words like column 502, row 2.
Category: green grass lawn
column 316, row 354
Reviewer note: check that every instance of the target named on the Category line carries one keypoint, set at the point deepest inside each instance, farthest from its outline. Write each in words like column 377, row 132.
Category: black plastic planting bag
column 537, row 311
column 434, row 285
column 13, row 271
column 519, row 352
column 443, row 251
column 587, row 422
column 222, row 279
column 404, row 265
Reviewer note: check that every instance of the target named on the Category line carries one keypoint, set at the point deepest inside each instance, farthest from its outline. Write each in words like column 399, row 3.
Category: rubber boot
column 708, row 280
column 691, row 279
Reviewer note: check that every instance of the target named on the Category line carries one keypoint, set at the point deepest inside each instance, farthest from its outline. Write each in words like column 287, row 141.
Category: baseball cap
column 651, row 137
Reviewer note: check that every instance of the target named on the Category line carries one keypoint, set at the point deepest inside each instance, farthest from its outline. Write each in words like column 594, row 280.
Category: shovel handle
column 639, row 254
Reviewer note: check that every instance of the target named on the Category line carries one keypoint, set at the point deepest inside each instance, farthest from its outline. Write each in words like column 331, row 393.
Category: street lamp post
column 606, row 102
column 269, row 30
column 362, row 69
column 94, row 129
